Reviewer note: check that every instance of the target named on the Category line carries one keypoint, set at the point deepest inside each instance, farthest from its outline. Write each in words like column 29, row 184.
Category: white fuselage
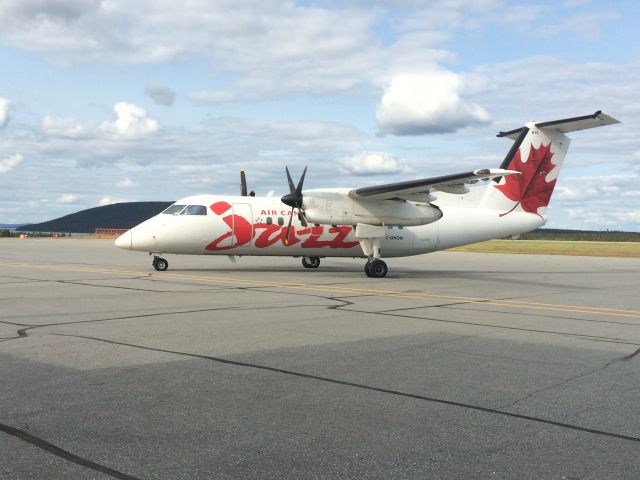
column 240, row 225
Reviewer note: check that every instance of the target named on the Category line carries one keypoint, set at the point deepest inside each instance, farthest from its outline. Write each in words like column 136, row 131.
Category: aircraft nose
column 125, row 240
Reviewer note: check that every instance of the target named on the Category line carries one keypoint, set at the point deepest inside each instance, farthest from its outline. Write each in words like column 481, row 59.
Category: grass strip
column 553, row 247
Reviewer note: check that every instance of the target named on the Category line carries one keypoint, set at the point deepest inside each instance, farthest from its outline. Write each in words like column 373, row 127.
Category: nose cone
column 125, row 240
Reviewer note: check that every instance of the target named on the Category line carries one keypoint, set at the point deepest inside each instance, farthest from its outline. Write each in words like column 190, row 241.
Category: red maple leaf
column 530, row 189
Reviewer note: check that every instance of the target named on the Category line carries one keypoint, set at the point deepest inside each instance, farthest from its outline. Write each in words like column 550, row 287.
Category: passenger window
column 269, row 220
column 280, row 221
column 195, row 210
column 174, row 209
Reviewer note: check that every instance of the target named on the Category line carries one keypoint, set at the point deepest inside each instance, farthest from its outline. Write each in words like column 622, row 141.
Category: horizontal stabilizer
column 598, row 119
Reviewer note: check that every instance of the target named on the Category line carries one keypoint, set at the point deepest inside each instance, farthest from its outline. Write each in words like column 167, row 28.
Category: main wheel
column 376, row 268
column 311, row 262
column 160, row 264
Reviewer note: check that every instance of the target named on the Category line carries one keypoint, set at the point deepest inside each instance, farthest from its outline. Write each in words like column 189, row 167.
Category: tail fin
column 537, row 153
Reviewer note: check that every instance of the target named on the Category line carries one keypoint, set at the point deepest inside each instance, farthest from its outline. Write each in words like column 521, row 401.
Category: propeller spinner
column 294, row 199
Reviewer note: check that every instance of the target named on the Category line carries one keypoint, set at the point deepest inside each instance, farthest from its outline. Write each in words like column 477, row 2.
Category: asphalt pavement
column 456, row 365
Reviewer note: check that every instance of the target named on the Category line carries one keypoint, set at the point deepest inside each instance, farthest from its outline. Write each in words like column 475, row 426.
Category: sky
column 106, row 101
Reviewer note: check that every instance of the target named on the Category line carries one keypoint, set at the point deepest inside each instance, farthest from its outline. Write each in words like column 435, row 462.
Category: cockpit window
column 195, row 210
column 174, row 209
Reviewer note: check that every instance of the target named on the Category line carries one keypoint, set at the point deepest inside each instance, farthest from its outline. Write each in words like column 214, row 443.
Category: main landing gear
column 375, row 268
column 310, row 262
column 160, row 264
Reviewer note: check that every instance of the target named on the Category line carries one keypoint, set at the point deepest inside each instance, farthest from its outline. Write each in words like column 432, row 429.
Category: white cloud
column 628, row 216
column 127, row 183
column 430, row 102
column 63, row 127
column 599, row 202
column 598, row 188
column 211, row 96
column 10, row 163
column 612, row 218
column 160, row 94
column 109, row 201
column 373, row 163
column 132, row 122
column 4, row 112
column 274, row 47
column 286, row 135
column 575, row 3
column 67, row 198
column 586, row 26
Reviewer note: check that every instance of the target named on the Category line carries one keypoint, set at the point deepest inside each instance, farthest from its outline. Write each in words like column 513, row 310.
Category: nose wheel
column 310, row 262
column 375, row 268
column 160, row 264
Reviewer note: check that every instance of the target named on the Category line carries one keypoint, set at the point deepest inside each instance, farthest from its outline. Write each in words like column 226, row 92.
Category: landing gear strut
column 160, row 264
column 375, row 268
column 310, row 262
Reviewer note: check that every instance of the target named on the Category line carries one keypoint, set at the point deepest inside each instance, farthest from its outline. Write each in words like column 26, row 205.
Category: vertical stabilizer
column 538, row 152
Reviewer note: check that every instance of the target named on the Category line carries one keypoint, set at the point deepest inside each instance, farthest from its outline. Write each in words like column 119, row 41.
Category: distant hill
column 12, row 226
column 119, row 215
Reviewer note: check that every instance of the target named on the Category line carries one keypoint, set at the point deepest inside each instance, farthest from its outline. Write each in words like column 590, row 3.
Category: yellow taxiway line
column 335, row 289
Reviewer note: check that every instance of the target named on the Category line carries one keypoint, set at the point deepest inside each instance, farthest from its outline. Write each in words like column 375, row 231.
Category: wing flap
column 444, row 183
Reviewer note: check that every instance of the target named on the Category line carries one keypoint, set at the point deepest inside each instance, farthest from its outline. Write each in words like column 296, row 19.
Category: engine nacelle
column 335, row 207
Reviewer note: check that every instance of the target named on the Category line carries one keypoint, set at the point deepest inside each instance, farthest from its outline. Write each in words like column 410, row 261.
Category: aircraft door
column 425, row 237
column 242, row 224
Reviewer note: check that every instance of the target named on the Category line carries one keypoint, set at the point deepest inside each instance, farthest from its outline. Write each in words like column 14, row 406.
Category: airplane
column 382, row 221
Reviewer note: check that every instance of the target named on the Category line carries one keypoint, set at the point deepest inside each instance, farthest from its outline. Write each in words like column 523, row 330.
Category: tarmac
column 456, row 365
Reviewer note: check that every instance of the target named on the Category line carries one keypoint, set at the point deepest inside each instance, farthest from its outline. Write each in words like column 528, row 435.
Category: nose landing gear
column 160, row 264
column 310, row 262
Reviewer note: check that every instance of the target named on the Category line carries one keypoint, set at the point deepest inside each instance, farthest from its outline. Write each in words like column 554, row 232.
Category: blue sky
column 107, row 101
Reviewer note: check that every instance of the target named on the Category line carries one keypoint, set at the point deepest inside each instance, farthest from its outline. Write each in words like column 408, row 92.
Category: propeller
column 294, row 199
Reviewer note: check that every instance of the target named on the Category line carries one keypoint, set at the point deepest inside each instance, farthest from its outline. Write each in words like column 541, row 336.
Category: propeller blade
column 286, row 238
column 302, row 218
column 243, row 184
column 299, row 187
column 292, row 188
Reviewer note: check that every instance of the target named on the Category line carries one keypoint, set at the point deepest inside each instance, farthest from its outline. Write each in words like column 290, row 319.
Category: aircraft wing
column 455, row 183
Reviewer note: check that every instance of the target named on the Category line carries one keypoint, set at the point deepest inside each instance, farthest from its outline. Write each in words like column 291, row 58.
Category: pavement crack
column 571, row 379
column 15, row 324
column 346, row 304
column 538, row 315
column 596, row 338
column 85, row 284
column 64, row 454
column 371, row 388
column 419, row 307
column 22, row 333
